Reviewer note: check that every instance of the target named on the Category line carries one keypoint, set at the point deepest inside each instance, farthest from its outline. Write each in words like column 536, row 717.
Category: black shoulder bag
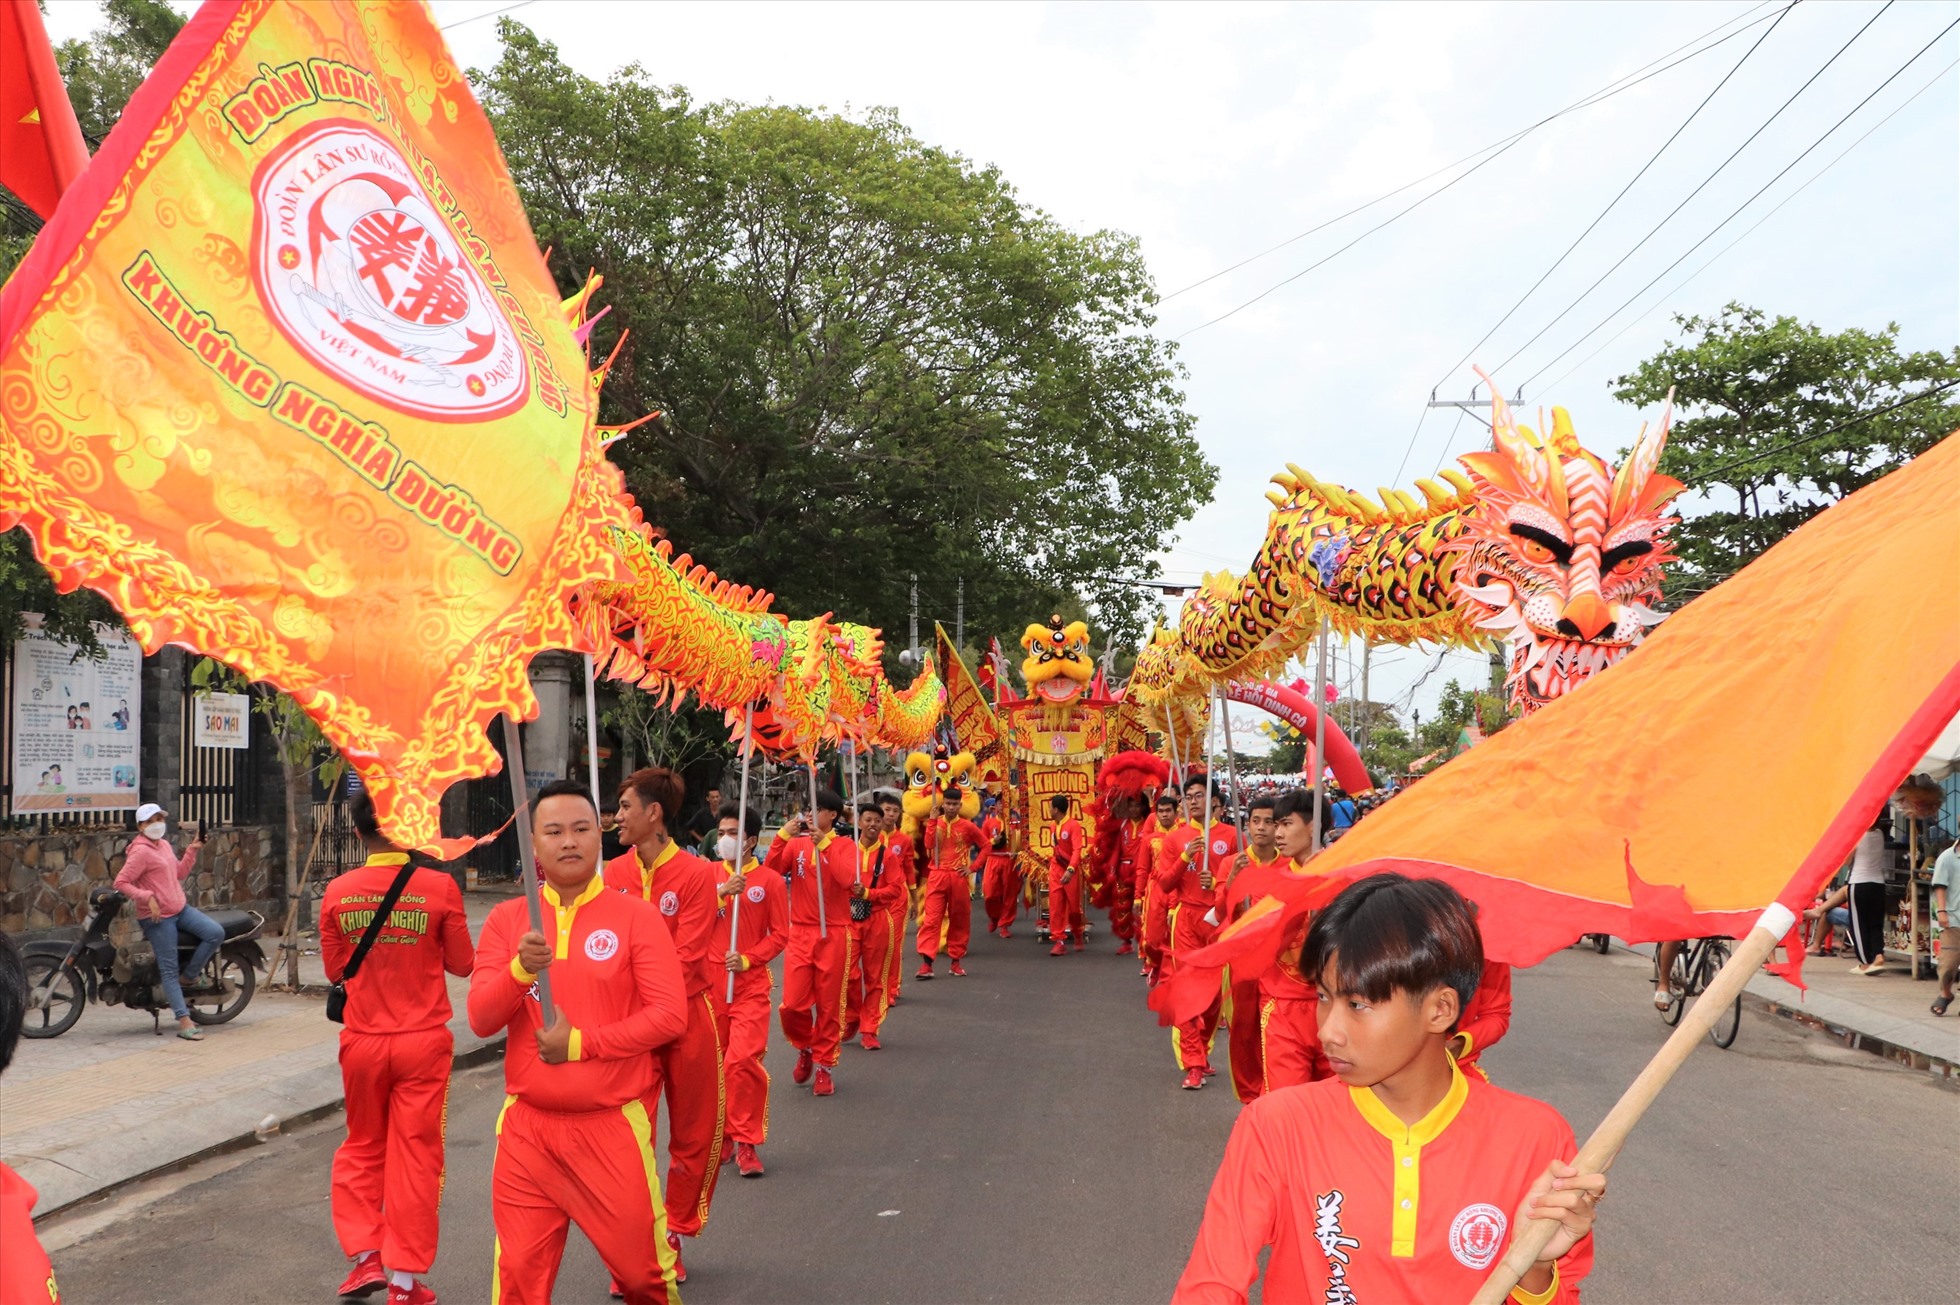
column 337, row 993
column 861, row 906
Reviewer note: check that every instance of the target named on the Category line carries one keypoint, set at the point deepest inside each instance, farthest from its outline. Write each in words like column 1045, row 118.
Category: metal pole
column 1366, row 648
column 912, row 632
column 1232, row 764
column 741, row 834
column 1319, row 731
column 1204, row 831
column 592, row 729
column 526, row 858
column 1170, row 735
column 816, row 853
column 959, row 616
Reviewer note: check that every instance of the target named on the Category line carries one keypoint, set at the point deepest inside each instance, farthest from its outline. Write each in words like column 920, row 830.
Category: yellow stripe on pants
column 636, row 1118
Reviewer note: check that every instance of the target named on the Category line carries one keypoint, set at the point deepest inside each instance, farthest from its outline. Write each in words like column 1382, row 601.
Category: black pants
column 1867, row 905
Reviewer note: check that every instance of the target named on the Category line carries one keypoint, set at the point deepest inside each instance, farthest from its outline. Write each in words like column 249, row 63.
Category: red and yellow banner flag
column 1730, row 762
column 287, row 379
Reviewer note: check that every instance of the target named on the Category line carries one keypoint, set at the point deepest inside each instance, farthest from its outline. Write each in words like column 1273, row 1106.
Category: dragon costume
column 1537, row 541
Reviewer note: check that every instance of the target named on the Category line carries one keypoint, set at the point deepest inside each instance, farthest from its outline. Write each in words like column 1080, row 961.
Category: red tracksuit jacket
column 681, row 886
column 614, row 975
column 400, row 986
column 763, row 929
column 797, row 860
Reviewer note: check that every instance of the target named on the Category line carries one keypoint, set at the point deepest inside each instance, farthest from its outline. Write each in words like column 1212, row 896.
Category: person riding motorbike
column 152, row 879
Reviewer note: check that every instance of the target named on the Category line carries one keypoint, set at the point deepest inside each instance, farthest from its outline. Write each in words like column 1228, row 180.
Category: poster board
column 221, row 720
column 77, row 722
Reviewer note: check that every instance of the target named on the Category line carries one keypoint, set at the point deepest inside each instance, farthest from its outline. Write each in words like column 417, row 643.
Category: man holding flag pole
column 820, row 868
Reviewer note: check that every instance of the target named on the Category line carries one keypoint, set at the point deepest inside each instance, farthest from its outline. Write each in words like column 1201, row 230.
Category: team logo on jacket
column 755, row 894
column 362, row 273
column 600, row 944
column 1477, row 1235
column 1221, row 847
column 670, row 903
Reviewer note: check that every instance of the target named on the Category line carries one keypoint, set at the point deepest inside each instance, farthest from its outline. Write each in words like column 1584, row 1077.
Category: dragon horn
column 1537, row 468
column 1636, row 475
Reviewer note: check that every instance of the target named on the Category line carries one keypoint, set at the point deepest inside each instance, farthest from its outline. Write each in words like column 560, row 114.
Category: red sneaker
column 1125, row 949
column 823, row 1087
column 1194, row 1078
column 366, row 1277
column 1060, row 948
column 1080, row 943
column 959, row 970
column 1004, row 933
column 674, row 1245
column 925, row 972
column 416, row 1293
column 850, row 1031
column 870, row 1042
column 747, row 1162
column 804, row 1062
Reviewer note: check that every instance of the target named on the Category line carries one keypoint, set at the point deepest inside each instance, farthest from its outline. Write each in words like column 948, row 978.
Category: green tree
column 875, row 359
column 1760, row 399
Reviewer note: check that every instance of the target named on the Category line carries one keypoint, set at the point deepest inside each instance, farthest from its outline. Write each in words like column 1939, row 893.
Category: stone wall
column 45, row 879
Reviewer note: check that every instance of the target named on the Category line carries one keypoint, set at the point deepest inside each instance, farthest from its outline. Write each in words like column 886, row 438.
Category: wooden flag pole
column 1597, row 1155
column 526, row 858
column 741, row 835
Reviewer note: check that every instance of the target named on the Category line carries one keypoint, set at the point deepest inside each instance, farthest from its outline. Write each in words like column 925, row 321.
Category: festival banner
column 1729, row 763
column 974, row 723
column 287, row 379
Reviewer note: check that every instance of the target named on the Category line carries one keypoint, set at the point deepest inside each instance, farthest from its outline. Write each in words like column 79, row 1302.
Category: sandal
column 1940, row 1004
column 1663, row 1000
column 192, row 1034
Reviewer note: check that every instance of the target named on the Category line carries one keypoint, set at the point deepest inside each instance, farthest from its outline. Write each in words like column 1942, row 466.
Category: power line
column 491, row 14
column 1717, row 256
column 1773, row 449
column 1583, row 102
column 1747, row 202
column 1719, row 168
column 1499, row 152
column 1614, row 203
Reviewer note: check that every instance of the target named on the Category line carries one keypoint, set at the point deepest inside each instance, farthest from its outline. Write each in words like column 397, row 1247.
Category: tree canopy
column 874, row 358
column 1773, row 427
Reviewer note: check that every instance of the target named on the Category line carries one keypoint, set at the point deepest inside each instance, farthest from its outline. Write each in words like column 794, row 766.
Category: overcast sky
column 1215, row 131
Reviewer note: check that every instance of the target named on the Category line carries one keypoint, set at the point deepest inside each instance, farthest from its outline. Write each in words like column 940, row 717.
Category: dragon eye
column 1533, row 551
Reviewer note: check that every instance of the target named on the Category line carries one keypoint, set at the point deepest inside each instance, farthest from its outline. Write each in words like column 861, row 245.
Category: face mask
column 154, row 829
column 726, row 848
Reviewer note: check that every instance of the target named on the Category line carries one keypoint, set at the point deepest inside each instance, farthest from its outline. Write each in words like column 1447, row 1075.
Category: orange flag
column 1730, row 762
column 287, row 380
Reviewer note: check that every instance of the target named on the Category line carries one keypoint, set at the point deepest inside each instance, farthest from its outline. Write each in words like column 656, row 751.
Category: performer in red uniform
column 1403, row 1180
column 1000, row 878
column 1066, row 868
column 953, row 843
column 761, row 931
column 1154, row 907
column 575, row 1140
column 1485, row 1019
column 1191, row 873
column 681, row 886
column 1288, row 1032
column 1132, row 846
column 26, row 1275
column 1245, row 1035
column 821, row 869
column 903, row 857
column 880, row 936
column 395, row 1055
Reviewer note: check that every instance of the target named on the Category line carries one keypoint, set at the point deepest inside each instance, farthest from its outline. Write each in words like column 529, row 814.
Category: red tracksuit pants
column 814, row 970
column 387, row 1175
column 1000, row 889
column 748, row 1041
column 594, row 1168
column 1246, row 1037
column 1189, row 931
column 1156, row 924
column 1290, row 1029
column 949, row 896
column 1064, row 903
column 690, row 1074
column 876, row 944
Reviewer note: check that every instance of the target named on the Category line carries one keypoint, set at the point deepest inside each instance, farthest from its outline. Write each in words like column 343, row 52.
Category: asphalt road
column 1022, row 1138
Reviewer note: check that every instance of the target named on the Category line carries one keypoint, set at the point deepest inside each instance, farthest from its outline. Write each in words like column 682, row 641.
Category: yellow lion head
column 1057, row 666
column 929, row 777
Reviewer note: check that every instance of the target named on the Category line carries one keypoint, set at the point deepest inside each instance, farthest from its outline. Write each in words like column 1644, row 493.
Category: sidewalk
column 109, row 1101
column 1886, row 1013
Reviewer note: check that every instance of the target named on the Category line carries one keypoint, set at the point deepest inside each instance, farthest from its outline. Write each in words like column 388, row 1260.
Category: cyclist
column 1663, row 993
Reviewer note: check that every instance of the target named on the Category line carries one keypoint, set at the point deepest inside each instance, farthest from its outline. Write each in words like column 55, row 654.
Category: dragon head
column 1562, row 555
column 931, row 777
column 1057, row 666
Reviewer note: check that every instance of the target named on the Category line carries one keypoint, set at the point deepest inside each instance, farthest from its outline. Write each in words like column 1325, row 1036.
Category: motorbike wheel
column 52, row 1014
column 234, row 971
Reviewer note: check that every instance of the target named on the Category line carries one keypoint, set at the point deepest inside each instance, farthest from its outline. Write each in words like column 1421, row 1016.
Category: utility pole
column 1366, row 710
column 912, row 638
column 959, row 617
column 1471, row 404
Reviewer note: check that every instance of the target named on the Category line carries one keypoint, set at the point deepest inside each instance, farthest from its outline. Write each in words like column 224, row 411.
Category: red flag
column 41, row 145
column 1248, row 944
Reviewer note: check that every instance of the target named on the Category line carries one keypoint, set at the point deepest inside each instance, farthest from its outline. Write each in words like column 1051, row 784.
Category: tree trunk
column 299, row 799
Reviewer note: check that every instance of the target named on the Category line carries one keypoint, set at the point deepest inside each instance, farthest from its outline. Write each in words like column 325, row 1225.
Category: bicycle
column 1695, row 967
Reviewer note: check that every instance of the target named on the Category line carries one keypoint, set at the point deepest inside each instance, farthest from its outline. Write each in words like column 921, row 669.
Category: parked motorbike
column 62, row 978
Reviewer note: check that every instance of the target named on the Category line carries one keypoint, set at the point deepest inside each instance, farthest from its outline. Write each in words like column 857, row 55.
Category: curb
column 481, row 1053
